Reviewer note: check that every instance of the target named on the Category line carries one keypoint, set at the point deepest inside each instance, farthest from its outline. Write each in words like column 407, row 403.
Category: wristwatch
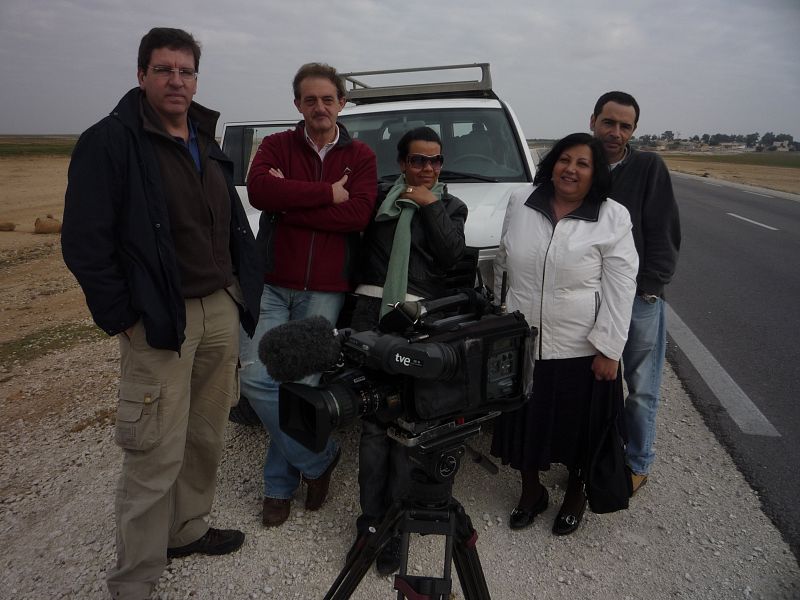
column 649, row 298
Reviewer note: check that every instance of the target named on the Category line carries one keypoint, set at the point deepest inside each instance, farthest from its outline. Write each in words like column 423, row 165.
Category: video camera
column 430, row 361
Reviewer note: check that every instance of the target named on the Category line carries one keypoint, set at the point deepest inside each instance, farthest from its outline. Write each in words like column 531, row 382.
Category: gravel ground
column 696, row 531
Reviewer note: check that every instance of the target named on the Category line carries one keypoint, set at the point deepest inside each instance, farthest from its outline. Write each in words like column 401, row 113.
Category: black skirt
column 552, row 426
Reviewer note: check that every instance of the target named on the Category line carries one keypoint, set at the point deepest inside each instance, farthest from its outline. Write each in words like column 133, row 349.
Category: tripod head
column 435, row 454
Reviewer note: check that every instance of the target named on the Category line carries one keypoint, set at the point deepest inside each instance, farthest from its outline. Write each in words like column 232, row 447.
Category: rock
column 47, row 225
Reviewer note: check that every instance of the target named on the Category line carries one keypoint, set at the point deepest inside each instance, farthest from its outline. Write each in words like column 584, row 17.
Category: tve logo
column 403, row 360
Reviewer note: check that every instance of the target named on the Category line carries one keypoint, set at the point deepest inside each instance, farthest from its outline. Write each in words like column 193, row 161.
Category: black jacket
column 437, row 243
column 641, row 183
column 116, row 232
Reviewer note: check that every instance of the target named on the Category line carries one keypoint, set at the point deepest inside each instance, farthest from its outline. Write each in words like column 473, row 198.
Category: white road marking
column 740, row 408
column 713, row 184
column 757, row 194
column 753, row 222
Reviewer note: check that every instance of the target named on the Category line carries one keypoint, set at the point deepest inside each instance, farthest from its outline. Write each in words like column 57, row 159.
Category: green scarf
column 393, row 207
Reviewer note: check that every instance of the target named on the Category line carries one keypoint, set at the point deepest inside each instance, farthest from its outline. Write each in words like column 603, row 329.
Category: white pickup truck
column 485, row 149
column 486, row 153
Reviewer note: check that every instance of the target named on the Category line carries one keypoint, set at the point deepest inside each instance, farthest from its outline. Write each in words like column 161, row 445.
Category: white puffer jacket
column 574, row 281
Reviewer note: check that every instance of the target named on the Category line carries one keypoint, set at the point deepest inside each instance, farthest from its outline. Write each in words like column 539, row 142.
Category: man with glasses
column 158, row 240
column 316, row 187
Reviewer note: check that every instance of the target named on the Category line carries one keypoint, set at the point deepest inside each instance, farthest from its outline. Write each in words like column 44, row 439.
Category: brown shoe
column 318, row 488
column 637, row 481
column 275, row 511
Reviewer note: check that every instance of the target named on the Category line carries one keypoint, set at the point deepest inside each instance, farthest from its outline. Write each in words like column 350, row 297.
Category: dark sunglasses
column 420, row 161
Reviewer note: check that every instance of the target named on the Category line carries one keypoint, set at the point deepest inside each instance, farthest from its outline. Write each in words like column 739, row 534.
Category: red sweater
column 313, row 242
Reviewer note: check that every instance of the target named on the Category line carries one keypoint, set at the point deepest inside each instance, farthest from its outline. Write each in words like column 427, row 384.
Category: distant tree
column 705, row 138
column 721, row 138
column 751, row 139
column 767, row 139
column 647, row 140
column 668, row 136
column 695, row 138
column 784, row 137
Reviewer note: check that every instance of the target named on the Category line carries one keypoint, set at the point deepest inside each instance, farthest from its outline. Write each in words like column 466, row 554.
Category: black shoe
column 388, row 560
column 215, row 541
column 566, row 523
column 522, row 518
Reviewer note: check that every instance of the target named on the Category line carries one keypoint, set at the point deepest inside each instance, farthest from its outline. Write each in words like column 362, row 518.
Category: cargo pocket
column 138, row 415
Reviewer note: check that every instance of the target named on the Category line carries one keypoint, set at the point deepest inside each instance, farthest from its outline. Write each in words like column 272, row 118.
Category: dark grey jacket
column 116, row 233
column 641, row 183
column 437, row 243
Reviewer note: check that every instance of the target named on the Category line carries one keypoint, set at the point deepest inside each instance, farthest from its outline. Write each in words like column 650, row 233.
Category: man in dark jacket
column 640, row 181
column 158, row 240
column 316, row 187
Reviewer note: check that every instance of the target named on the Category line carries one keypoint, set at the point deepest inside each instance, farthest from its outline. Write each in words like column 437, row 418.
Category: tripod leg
column 354, row 569
column 466, row 559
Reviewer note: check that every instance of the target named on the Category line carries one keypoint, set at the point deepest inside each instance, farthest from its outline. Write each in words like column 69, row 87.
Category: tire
column 244, row 414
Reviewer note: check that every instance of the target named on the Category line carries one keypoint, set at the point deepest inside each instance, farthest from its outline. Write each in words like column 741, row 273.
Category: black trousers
column 382, row 463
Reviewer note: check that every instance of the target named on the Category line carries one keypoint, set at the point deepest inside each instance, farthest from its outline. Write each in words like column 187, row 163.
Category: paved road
column 735, row 341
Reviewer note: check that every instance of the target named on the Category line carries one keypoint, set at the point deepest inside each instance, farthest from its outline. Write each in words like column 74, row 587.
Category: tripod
column 428, row 508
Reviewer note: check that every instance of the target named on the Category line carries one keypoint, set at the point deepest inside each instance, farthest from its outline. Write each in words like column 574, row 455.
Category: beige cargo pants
column 171, row 420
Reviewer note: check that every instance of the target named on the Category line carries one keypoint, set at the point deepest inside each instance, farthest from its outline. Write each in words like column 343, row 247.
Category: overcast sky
column 728, row 66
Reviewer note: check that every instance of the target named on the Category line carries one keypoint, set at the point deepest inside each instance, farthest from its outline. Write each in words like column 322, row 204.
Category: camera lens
column 311, row 414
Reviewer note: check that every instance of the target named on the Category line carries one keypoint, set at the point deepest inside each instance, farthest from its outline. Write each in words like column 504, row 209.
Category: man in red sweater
column 316, row 187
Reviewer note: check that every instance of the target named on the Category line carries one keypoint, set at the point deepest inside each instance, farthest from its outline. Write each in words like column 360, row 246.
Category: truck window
column 474, row 140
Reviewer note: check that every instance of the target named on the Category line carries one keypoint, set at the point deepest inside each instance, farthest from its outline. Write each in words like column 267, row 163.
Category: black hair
column 620, row 98
column 167, row 37
column 601, row 177
column 321, row 70
column 424, row 134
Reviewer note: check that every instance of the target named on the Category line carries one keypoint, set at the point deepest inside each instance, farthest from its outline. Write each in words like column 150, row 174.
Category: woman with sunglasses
column 571, row 263
column 416, row 235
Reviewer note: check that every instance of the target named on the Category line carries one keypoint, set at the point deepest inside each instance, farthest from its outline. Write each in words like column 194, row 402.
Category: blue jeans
column 286, row 460
column 642, row 365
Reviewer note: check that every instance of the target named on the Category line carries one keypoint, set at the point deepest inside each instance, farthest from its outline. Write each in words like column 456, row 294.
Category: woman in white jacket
column 571, row 265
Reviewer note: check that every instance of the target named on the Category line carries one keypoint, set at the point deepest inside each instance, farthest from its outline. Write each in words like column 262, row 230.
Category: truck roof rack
column 363, row 93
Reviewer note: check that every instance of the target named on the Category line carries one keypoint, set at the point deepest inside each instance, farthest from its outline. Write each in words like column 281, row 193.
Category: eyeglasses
column 165, row 72
column 420, row 161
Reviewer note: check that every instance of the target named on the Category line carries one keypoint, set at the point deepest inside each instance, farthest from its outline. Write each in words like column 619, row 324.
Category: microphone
column 299, row 348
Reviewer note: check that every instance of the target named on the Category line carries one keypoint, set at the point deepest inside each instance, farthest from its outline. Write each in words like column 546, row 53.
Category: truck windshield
column 478, row 143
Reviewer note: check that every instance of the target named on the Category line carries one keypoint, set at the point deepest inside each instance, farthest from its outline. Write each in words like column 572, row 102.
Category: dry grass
column 772, row 170
column 37, row 145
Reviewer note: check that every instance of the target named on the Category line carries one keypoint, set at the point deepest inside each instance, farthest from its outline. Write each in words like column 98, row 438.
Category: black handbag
column 607, row 478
